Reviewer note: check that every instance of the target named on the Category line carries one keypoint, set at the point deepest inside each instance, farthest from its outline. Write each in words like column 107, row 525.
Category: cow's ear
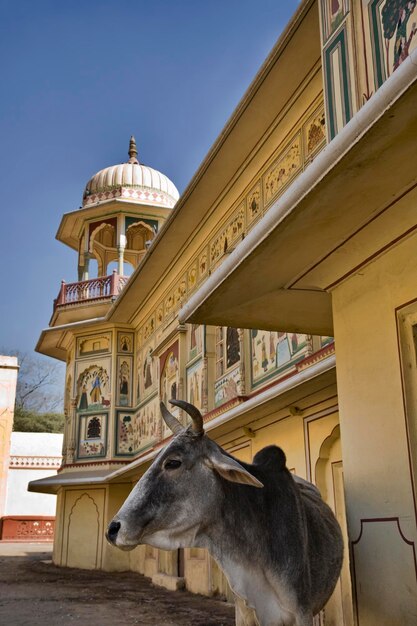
column 231, row 470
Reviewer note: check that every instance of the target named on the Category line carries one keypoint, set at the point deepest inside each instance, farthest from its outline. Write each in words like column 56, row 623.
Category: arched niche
column 102, row 247
column 104, row 235
column 83, row 532
column 329, row 479
column 137, row 236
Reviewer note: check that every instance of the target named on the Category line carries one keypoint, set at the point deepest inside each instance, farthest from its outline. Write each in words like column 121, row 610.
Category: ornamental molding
column 18, row 461
column 296, row 152
column 127, row 192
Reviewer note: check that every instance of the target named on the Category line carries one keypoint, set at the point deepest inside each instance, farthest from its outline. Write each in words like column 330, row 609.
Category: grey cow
column 278, row 543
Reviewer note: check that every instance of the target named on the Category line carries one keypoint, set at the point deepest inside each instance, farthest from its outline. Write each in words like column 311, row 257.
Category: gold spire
column 133, row 152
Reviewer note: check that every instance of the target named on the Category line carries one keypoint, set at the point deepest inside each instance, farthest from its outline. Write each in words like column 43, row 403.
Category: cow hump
column 270, row 456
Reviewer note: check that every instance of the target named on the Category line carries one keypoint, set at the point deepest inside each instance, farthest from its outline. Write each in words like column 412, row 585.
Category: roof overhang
column 52, row 484
column 281, row 76
column 280, row 276
column 72, row 223
column 53, row 341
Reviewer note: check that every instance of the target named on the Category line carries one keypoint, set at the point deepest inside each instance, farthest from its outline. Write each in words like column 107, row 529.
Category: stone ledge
column 172, row 583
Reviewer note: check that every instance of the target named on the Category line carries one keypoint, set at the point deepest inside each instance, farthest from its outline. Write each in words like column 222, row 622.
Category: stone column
column 121, row 242
column 86, row 253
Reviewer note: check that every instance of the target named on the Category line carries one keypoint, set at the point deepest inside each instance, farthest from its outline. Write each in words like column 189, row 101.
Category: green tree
column 27, row 421
column 39, row 393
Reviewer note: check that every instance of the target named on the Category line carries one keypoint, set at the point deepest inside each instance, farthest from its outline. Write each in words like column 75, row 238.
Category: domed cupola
column 131, row 181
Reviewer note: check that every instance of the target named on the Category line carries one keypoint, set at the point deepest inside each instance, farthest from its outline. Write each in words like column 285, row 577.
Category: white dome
column 132, row 181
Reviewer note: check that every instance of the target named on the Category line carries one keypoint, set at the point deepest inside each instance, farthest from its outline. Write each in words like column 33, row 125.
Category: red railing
column 27, row 528
column 103, row 288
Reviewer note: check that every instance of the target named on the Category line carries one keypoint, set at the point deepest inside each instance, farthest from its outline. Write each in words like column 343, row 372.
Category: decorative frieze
column 228, row 236
column 283, row 170
column 307, row 140
column 34, row 462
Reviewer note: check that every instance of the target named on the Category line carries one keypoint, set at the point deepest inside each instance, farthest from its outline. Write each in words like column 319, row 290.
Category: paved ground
column 33, row 592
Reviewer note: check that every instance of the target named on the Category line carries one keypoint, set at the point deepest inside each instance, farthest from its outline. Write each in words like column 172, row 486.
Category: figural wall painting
column 392, row 32
column 93, row 385
column 195, row 382
column 169, row 374
column 137, row 430
column 124, row 382
column 125, row 342
column 169, row 381
column 92, row 436
column 227, row 387
column 195, row 341
column 273, row 351
column 145, row 373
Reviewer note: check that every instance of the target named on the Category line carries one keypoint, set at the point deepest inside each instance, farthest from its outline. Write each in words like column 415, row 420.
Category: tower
column 123, row 209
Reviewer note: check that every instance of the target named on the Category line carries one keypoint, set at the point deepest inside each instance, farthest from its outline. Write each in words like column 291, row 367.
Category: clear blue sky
column 77, row 79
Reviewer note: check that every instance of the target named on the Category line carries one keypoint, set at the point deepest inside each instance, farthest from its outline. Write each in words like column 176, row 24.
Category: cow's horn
column 194, row 413
column 170, row 420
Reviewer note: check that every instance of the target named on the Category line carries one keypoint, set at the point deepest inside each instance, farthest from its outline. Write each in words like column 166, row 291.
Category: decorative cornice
column 130, row 192
column 321, row 354
column 34, row 462
column 92, row 464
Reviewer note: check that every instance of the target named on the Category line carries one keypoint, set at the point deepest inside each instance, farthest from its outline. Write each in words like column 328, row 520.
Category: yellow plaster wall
column 379, row 490
column 59, row 528
column 112, row 558
column 83, row 528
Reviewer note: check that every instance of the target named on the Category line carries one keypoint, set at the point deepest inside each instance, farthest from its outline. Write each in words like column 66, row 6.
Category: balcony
column 96, row 290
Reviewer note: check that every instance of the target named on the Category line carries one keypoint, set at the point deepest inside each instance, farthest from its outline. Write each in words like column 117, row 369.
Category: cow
column 276, row 540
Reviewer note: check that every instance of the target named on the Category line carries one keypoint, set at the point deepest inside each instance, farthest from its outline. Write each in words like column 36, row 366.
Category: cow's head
column 178, row 496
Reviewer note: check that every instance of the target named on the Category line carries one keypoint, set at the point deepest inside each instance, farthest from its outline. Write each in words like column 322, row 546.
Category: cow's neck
column 253, row 585
column 237, row 547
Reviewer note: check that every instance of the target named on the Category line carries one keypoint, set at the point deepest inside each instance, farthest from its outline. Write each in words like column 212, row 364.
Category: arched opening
column 329, row 479
column 128, row 268
column 138, row 236
column 93, row 268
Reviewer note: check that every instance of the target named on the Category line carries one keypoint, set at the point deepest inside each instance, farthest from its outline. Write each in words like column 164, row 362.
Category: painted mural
column 94, row 344
column 393, row 30
column 93, row 385
column 333, row 13
column 283, row 170
column 137, row 430
column 124, row 389
column 92, row 436
column 169, row 374
column 125, row 342
column 147, row 373
column 253, row 205
column 227, row 387
column 232, row 347
column 273, row 351
column 195, row 384
column 195, row 341
column 325, row 340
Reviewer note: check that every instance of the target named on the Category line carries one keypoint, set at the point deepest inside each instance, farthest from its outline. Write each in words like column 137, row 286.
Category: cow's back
column 325, row 544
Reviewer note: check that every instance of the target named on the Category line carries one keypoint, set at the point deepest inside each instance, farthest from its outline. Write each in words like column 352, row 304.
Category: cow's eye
column 172, row 464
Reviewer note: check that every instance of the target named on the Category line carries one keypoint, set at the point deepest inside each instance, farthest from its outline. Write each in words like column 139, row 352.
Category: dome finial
column 133, row 152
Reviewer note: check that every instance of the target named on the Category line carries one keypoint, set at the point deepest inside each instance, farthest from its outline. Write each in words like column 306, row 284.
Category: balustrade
column 102, row 288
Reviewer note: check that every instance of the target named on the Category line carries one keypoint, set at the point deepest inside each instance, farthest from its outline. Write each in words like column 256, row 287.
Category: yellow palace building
column 299, row 226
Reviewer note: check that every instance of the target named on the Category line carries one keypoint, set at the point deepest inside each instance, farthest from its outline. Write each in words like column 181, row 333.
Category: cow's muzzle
column 112, row 531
